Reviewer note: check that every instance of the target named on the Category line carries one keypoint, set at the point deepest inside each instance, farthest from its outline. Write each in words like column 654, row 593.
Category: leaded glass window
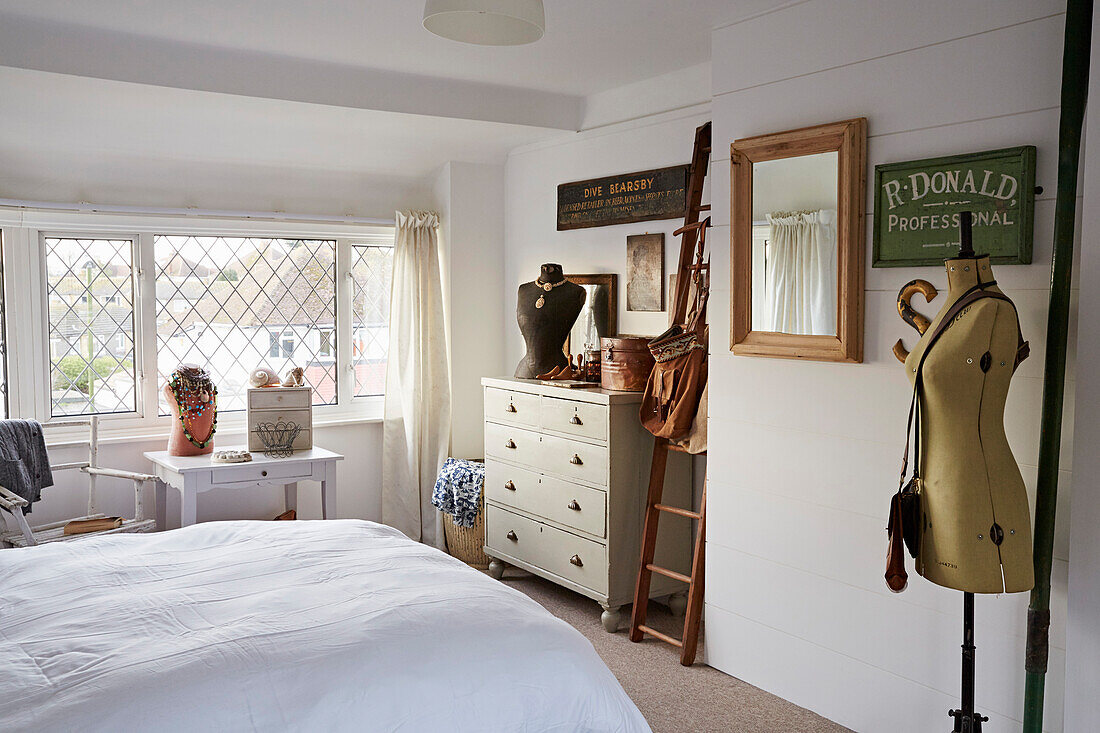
column 90, row 293
column 233, row 304
column 371, row 275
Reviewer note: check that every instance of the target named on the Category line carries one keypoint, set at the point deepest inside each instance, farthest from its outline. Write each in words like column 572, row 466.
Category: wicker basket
column 467, row 543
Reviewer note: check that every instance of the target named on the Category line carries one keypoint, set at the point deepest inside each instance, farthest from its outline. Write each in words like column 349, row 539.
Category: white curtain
column 801, row 272
column 417, row 422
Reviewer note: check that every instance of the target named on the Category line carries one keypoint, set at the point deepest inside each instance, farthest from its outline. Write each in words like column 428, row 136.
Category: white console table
column 192, row 475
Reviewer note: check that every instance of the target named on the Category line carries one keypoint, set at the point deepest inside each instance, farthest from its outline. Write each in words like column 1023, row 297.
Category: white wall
column 1083, row 612
column 796, row 602
column 469, row 198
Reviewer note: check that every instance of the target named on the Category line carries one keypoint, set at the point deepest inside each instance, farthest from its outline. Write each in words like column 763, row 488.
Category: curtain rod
column 86, row 207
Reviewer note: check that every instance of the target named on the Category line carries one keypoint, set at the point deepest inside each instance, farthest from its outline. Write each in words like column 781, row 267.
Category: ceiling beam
column 63, row 48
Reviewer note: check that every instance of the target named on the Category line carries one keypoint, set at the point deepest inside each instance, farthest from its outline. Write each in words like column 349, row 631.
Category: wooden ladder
column 693, row 238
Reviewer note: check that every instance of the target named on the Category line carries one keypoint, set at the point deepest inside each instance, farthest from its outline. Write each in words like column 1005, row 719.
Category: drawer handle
column 576, row 560
column 510, row 444
column 509, row 485
column 510, row 408
column 576, row 420
column 512, row 536
column 263, row 473
column 576, row 460
column 574, row 505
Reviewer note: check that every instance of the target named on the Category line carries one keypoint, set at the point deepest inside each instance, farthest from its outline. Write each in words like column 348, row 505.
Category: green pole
column 1075, row 79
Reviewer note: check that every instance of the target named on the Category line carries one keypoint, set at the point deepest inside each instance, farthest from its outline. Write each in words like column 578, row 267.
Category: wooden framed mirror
column 797, row 243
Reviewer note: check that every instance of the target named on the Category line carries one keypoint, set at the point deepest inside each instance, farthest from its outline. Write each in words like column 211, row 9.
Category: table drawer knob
column 574, row 505
column 576, row 460
column 510, row 408
column 576, row 420
column 509, row 485
column 510, row 444
column 263, row 473
column 576, row 560
column 512, row 536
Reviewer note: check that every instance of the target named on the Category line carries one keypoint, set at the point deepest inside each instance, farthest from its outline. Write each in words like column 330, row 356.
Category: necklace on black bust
column 547, row 287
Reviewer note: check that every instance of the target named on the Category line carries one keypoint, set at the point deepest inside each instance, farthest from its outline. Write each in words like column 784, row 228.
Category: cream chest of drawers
column 566, row 476
column 281, row 404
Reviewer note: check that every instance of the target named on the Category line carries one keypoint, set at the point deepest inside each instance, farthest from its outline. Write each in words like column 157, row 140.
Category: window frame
column 28, row 374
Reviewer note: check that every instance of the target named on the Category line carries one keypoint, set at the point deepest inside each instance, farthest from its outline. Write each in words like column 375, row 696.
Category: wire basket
column 278, row 437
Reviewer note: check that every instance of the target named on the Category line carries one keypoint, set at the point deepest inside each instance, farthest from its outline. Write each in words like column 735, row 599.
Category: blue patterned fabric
column 458, row 490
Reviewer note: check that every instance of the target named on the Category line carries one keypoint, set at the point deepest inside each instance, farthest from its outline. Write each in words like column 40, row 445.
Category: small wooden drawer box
column 280, row 404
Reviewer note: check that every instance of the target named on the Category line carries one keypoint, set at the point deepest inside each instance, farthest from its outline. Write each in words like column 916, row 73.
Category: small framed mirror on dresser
column 797, row 243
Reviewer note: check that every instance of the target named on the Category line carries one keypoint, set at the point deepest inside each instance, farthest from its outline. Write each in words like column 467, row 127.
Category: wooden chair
column 24, row 535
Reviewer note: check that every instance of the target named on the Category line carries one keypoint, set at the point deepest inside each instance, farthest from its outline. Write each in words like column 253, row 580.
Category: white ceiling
column 589, row 46
column 67, row 138
column 338, row 106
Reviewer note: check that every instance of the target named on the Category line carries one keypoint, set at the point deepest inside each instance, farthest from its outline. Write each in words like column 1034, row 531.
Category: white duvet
column 285, row 626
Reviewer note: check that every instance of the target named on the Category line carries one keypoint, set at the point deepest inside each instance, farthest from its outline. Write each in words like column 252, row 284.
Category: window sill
column 233, row 427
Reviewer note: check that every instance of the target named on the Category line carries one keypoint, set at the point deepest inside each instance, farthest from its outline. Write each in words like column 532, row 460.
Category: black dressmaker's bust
column 546, row 311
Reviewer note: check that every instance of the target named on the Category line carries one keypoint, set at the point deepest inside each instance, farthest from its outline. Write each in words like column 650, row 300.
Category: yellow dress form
column 972, row 495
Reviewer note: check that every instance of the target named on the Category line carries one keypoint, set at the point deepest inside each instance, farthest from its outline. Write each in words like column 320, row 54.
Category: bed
column 305, row 626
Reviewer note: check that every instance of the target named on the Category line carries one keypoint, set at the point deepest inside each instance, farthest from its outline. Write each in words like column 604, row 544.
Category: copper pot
column 626, row 363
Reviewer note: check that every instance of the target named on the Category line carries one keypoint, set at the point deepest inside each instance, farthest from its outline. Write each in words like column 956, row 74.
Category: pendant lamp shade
column 486, row 22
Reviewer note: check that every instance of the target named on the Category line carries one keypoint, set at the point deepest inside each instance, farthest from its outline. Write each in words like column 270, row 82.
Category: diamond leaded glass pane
column 371, row 275
column 234, row 304
column 90, row 290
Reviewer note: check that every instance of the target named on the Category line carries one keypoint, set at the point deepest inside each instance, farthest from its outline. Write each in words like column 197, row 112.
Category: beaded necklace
column 194, row 382
column 546, row 287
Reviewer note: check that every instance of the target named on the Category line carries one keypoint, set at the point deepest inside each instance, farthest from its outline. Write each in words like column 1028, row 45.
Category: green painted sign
column 917, row 206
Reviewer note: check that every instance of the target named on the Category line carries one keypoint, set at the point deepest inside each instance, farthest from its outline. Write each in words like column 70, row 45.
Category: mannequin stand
column 966, row 720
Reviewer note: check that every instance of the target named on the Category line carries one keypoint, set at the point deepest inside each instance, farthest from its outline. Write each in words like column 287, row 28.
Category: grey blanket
column 24, row 465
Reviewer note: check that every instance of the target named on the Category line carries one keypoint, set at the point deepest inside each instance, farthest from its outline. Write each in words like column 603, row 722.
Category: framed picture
column 918, row 202
column 645, row 268
column 599, row 315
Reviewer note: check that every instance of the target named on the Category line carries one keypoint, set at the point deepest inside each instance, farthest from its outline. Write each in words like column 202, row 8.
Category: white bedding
column 297, row 626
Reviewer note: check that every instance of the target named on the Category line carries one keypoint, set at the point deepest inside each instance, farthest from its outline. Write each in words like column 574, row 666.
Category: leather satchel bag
column 907, row 523
column 671, row 398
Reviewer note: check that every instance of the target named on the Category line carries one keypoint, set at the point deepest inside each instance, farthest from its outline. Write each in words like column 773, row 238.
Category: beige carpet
column 673, row 698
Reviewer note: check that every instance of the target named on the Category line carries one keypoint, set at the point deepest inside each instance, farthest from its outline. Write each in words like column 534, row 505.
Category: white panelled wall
column 1083, row 606
column 805, row 455
column 796, row 602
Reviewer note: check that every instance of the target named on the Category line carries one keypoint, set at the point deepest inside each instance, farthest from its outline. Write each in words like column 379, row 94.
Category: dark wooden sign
column 917, row 206
column 625, row 199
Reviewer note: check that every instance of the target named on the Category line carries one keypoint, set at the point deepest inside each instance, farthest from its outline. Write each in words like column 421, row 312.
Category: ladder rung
column 689, row 227
column 702, row 207
column 669, row 573
column 662, row 637
column 676, row 510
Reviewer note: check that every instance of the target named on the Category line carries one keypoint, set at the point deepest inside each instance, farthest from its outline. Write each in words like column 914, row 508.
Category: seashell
column 263, row 377
column 296, row 377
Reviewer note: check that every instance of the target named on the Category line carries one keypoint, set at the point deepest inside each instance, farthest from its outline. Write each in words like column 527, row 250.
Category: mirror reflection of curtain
column 586, row 330
column 801, row 272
